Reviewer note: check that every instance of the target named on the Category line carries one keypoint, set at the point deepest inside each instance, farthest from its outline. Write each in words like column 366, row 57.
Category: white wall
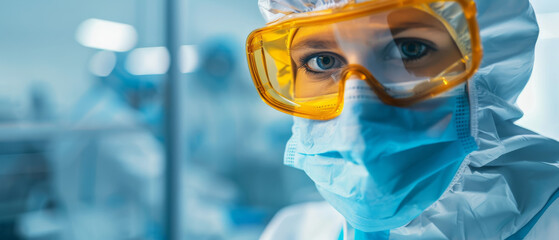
column 540, row 99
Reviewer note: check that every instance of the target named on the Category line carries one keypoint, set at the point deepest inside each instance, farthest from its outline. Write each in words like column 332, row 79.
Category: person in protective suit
column 404, row 118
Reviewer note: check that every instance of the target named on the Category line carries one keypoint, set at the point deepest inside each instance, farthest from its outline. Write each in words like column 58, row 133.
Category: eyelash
column 396, row 43
column 306, row 58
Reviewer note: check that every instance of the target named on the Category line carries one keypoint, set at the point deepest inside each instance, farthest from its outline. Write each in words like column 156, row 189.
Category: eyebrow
column 315, row 44
column 400, row 27
column 330, row 44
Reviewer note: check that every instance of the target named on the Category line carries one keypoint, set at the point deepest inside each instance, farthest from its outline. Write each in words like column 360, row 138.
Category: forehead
column 376, row 26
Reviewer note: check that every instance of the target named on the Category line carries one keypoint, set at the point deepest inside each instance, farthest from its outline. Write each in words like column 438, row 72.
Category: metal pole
column 172, row 126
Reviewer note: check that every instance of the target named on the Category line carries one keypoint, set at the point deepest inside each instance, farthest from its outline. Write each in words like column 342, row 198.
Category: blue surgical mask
column 380, row 166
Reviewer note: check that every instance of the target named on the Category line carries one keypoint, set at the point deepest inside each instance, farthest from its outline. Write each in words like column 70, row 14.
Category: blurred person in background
column 119, row 174
column 24, row 170
column 405, row 118
column 97, row 177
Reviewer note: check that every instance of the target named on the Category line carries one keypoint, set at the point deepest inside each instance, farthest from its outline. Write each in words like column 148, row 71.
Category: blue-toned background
column 82, row 146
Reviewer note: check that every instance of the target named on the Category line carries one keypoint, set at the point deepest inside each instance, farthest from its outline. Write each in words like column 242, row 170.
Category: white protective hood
column 503, row 185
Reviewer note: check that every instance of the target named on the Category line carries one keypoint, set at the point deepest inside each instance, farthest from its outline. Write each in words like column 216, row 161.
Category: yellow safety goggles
column 406, row 50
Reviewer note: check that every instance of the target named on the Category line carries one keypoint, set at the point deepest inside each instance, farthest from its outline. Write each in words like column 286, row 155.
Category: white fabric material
column 309, row 221
column 287, row 224
column 515, row 171
column 275, row 9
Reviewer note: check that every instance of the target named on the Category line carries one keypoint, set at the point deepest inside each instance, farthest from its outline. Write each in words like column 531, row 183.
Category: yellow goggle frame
column 328, row 108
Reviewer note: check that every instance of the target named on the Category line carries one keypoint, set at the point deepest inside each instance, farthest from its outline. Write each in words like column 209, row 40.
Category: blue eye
column 323, row 62
column 412, row 50
column 407, row 49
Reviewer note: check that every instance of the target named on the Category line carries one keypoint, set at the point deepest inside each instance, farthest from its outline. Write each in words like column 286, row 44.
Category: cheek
column 301, row 82
column 306, row 86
